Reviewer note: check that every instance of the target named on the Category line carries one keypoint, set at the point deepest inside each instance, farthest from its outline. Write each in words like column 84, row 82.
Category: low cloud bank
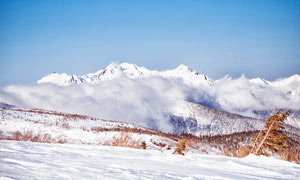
column 242, row 96
column 145, row 101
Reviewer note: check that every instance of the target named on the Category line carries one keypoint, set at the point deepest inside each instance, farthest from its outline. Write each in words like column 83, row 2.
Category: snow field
column 27, row 160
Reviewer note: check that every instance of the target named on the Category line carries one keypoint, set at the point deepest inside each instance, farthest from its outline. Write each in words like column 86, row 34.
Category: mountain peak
column 260, row 81
column 183, row 67
column 128, row 66
column 62, row 79
column 295, row 77
column 293, row 80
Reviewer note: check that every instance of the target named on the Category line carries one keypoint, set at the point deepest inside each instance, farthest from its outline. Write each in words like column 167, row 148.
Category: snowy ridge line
column 42, row 126
column 132, row 71
column 56, row 113
column 189, row 76
column 66, row 121
column 70, row 116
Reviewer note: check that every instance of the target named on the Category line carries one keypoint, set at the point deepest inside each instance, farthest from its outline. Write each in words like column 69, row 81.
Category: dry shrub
column 204, row 151
column 179, row 147
column 191, row 144
column 61, row 141
column 28, row 135
column 144, row 146
column 98, row 129
column 243, row 151
column 290, row 155
column 17, row 136
column 159, row 144
column 139, row 131
column 229, row 151
column 65, row 125
column 124, row 140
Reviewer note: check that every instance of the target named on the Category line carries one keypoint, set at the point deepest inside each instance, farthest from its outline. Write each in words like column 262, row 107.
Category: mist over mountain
column 223, row 93
column 127, row 92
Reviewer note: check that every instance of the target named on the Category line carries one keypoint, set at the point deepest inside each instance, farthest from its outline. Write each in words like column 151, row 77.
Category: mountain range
column 256, row 97
column 288, row 88
column 115, row 70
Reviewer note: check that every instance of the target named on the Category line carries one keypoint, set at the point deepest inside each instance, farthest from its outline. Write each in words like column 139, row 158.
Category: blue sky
column 255, row 38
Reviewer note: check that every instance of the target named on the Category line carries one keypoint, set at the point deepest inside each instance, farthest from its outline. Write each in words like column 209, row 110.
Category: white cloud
column 243, row 96
column 139, row 101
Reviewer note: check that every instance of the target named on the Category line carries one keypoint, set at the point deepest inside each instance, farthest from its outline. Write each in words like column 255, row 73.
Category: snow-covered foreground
column 27, row 160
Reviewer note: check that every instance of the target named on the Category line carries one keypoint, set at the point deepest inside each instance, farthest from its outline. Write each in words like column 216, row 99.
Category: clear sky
column 255, row 38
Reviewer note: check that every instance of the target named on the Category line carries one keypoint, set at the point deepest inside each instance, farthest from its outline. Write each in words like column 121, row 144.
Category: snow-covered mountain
column 132, row 71
column 115, row 70
column 289, row 86
column 256, row 97
column 200, row 120
column 5, row 105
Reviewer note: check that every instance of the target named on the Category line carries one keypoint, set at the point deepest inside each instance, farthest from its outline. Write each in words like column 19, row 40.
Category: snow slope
column 72, row 129
column 27, row 161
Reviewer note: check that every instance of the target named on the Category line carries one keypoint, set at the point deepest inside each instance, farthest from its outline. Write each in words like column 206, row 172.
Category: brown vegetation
column 144, row 146
column 124, row 140
column 179, row 148
column 159, row 144
column 65, row 125
column 191, row 144
column 291, row 155
column 28, row 135
column 243, row 151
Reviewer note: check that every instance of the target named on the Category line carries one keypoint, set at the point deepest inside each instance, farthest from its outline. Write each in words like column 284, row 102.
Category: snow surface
column 27, row 161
